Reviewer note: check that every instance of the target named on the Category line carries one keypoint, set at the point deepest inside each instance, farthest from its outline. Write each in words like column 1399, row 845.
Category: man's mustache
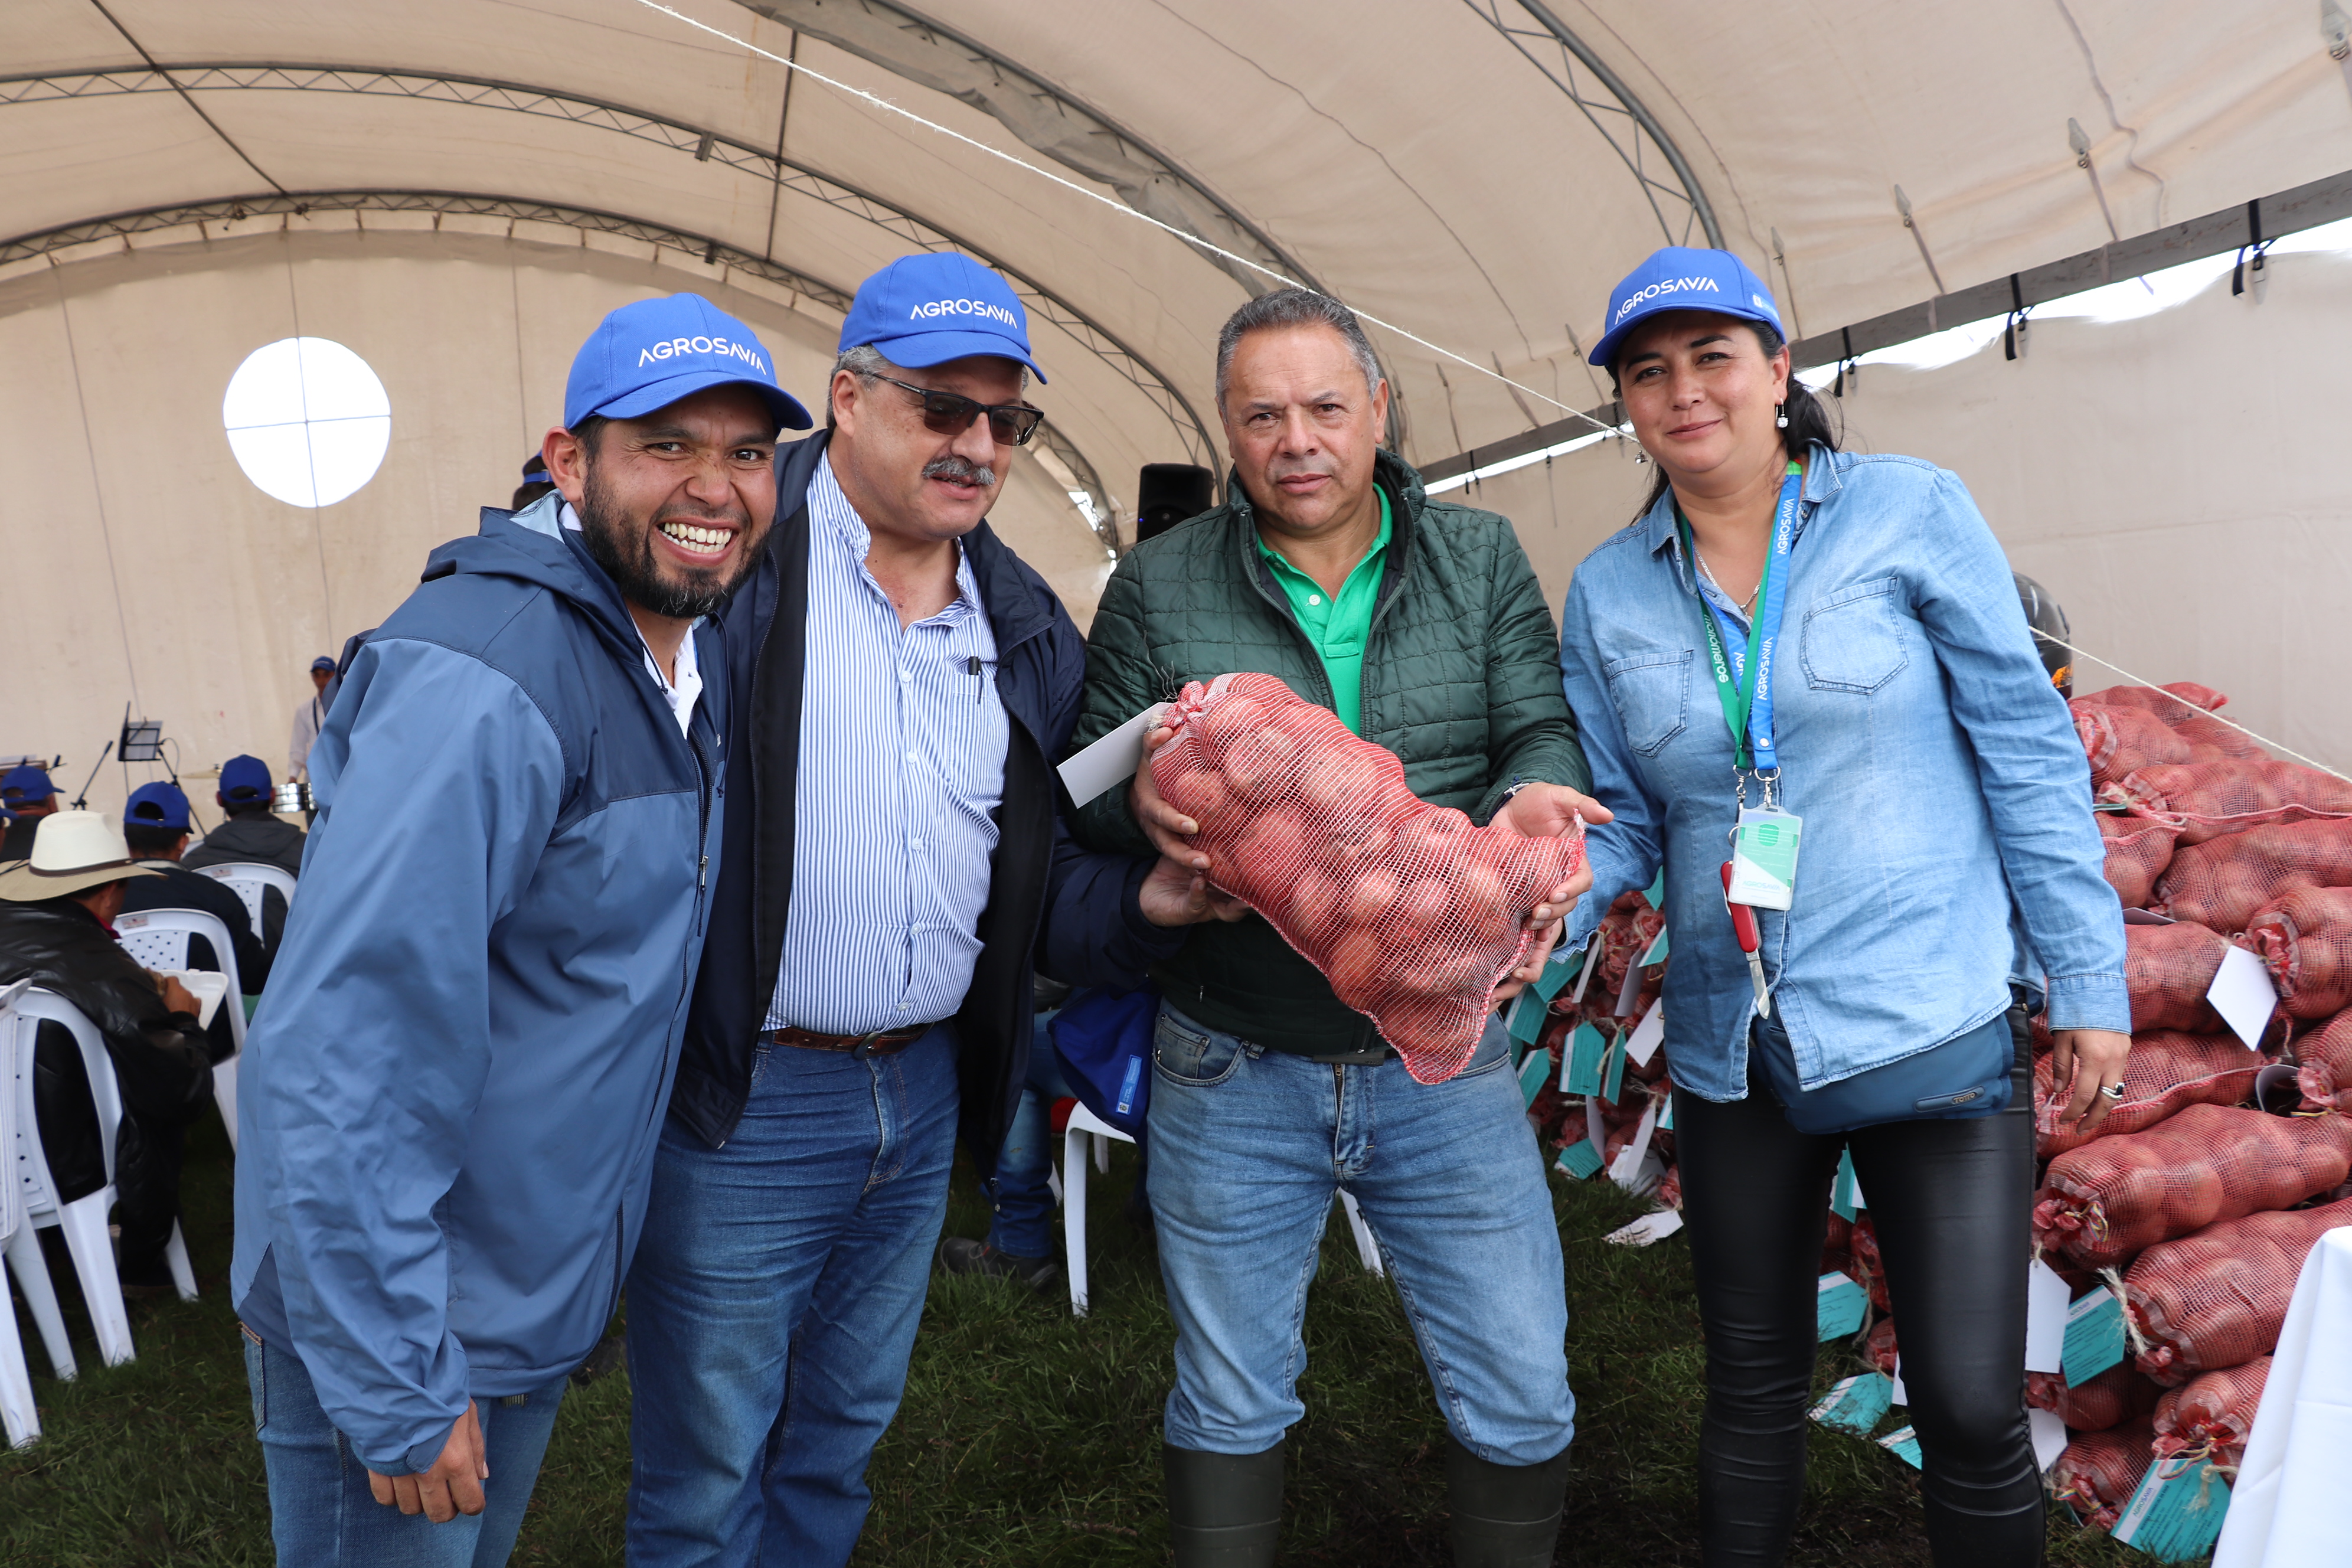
column 961, row 470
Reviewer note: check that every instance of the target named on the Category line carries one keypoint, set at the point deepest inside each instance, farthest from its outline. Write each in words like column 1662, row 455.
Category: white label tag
column 2243, row 993
column 1764, row 859
column 1649, row 1227
column 2049, row 1430
column 1648, row 1034
column 1111, row 760
column 2046, row 1300
column 1626, row 1168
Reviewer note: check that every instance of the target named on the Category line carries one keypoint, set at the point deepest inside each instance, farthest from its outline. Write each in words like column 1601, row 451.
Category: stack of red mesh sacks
column 2197, row 1205
column 1611, row 1005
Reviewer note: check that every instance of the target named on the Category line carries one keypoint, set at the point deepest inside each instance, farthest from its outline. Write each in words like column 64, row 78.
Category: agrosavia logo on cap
column 1669, row 285
column 725, row 348
column 938, row 308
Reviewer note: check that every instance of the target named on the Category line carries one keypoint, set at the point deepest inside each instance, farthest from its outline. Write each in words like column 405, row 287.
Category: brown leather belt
column 880, row 1043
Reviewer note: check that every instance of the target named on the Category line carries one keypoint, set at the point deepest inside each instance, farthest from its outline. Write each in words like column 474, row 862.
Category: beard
column 624, row 547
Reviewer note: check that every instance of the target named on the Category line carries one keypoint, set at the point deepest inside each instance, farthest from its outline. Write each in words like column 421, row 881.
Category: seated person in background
column 535, row 483
column 28, row 796
column 57, row 913
column 155, row 825
column 252, row 833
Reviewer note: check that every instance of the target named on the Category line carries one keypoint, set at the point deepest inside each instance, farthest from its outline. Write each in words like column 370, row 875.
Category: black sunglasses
column 951, row 414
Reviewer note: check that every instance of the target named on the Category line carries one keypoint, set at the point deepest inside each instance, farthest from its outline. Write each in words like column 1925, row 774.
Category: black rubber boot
column 1961, row 1537
column 1224, row 1510
column 1505, row 1516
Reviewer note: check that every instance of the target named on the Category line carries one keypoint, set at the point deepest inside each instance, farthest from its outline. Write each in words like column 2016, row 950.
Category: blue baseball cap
column 26, row 784
column 245, row 780
column 324, row 661
column 158, row 804
column 1682, row 279
column 922, row 311
column 649, row 354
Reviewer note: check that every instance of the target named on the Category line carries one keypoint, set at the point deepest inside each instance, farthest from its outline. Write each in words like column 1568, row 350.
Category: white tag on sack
column 2047, row 1298
column 1649, row 1227
column 1648, row 1034
column 1625, row 1168
column 2243, row 993
column 1111, row 760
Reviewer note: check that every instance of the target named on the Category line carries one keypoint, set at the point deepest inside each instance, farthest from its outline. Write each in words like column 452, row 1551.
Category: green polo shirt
column 1337, row 627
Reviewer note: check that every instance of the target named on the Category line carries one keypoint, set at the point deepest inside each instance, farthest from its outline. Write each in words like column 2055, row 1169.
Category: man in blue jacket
column 894, row 872
column 454, row 1087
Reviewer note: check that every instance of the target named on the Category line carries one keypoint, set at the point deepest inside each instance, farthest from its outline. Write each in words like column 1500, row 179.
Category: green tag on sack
column 2095, row 1337
column 2176, row 1517
column 1839, row 1306
column 1856, row 1404
column 1580, row 1158
column 1613, row 1073
column 1587, row 1050
column 1533, row 1074
column 1845, row 1195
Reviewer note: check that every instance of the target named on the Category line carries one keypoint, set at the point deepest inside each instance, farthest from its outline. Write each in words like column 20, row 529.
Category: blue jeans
column 1024, row 1199
column 1250, row 1145
column 774, row 1301
column 321, row 1509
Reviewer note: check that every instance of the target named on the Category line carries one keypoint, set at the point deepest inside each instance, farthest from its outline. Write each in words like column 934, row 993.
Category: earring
column 1780, row 415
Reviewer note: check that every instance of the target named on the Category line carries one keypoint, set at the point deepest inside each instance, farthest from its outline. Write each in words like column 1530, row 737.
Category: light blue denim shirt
column 1942, row 787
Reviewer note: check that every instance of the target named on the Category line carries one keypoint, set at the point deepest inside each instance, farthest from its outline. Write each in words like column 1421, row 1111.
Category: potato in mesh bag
column 1412, row 914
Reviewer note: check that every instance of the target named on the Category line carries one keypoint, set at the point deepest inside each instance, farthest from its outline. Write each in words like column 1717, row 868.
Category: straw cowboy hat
column 72, row 852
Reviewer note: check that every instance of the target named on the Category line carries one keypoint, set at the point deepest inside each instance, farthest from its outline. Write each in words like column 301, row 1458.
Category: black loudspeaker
column 1168, row 493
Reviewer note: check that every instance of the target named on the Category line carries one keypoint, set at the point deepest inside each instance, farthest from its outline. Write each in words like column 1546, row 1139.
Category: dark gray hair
column 1297, row 308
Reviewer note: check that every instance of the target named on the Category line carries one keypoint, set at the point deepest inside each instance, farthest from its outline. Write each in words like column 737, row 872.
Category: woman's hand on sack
column 1173, row 894
column 1168, row 829
column 2091, row 1060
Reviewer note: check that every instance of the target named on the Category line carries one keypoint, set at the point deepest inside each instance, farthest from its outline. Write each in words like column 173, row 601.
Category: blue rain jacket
column 452, row 1094
column 1942, row 787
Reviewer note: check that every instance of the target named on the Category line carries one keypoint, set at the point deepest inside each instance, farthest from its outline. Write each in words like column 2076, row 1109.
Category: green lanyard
column 1738, row 695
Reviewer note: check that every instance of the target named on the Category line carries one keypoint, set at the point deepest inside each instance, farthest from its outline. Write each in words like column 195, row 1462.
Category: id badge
column 1764, row 859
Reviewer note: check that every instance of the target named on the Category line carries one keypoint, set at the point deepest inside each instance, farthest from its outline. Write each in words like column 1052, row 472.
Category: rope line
column 1118, row 206
column 2266, row 742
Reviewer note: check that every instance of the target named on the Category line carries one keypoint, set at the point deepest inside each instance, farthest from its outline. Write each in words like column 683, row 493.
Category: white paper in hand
column 1111, row 760
column 2243, row 993
column 208, row 986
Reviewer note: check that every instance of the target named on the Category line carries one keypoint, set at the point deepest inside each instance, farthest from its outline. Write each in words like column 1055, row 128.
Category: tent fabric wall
column 2176, row 481
column 142, row 564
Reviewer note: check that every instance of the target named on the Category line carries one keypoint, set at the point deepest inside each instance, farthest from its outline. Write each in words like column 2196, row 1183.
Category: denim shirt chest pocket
column 1651, row 691
column 1854, row 638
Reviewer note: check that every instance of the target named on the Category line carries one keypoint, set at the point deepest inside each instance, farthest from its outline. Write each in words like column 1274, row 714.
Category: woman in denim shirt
column 1948, row 847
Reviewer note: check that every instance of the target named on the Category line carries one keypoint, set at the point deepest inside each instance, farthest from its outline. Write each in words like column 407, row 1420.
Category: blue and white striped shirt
column 901, row 772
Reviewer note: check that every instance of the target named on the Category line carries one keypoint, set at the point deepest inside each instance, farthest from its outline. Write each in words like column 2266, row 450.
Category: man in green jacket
column 1422, row 625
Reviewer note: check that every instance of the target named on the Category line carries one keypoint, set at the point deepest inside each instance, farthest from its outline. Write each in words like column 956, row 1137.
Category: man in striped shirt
column 893, row 873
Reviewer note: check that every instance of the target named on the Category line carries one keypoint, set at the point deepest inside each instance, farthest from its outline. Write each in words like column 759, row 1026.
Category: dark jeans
column 1950, row 1201
column 164, row 1088
column 773, row 1303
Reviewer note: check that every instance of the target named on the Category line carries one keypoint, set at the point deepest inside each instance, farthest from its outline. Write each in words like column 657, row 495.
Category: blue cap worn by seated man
column 157, row 805
column 324, row 663
column 245, row 781
column 649, row 354
column 1679, row 278
column 922, row 311
column 25, row 785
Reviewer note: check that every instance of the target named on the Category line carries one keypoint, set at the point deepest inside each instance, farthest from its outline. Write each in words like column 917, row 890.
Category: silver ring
column 2112, row 1090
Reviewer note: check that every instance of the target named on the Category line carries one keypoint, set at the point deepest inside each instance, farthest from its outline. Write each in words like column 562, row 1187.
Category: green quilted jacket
column 1461, row 681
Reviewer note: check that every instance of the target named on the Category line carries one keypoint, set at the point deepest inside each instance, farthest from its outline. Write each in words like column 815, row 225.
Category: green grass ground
column 1027, row 1436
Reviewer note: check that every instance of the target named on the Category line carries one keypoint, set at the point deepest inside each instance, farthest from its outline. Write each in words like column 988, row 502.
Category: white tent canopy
column 456, row 191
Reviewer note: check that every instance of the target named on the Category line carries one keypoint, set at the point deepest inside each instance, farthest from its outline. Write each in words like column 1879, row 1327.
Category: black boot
column 1224, row 1510
column 1962, row 1538
column 1505, row 1516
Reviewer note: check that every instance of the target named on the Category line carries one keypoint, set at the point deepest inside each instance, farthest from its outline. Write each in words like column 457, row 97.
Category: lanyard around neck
column 1745, row 692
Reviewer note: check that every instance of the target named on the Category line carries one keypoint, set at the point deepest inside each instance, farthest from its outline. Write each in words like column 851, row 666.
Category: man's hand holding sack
column 1411, row 912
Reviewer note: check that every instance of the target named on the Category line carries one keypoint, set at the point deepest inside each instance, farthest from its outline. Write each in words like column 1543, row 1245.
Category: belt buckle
column 863, row 1049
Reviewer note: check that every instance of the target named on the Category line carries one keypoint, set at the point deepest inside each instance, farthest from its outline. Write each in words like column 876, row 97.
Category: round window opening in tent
column 308, row 420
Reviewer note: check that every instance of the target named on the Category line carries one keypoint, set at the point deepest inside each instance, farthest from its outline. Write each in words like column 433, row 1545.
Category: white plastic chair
column 18, row 1416
column 1085, row 1124
column 83, row 1221
column 246, row 879
column 158, row 939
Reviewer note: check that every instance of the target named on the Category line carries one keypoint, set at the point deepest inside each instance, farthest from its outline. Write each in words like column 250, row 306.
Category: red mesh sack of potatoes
column 2216, row 1300
column 2104, row 1202
column 2167, row 1072
column 1869, row 1266
column 2121, row 1394
column 2168, row 970
column 1626, row 932
column 1411, row 912
column 1879, row 1348
column 2179, row 700
column 2305, row 939
column 2325, row 1069
column 2137, row 852
column 2121, row 741
column 2206, row 800
column 2209, row 1418
column 2225, row 882
column 1670, row 1188
column 2100, row 1470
